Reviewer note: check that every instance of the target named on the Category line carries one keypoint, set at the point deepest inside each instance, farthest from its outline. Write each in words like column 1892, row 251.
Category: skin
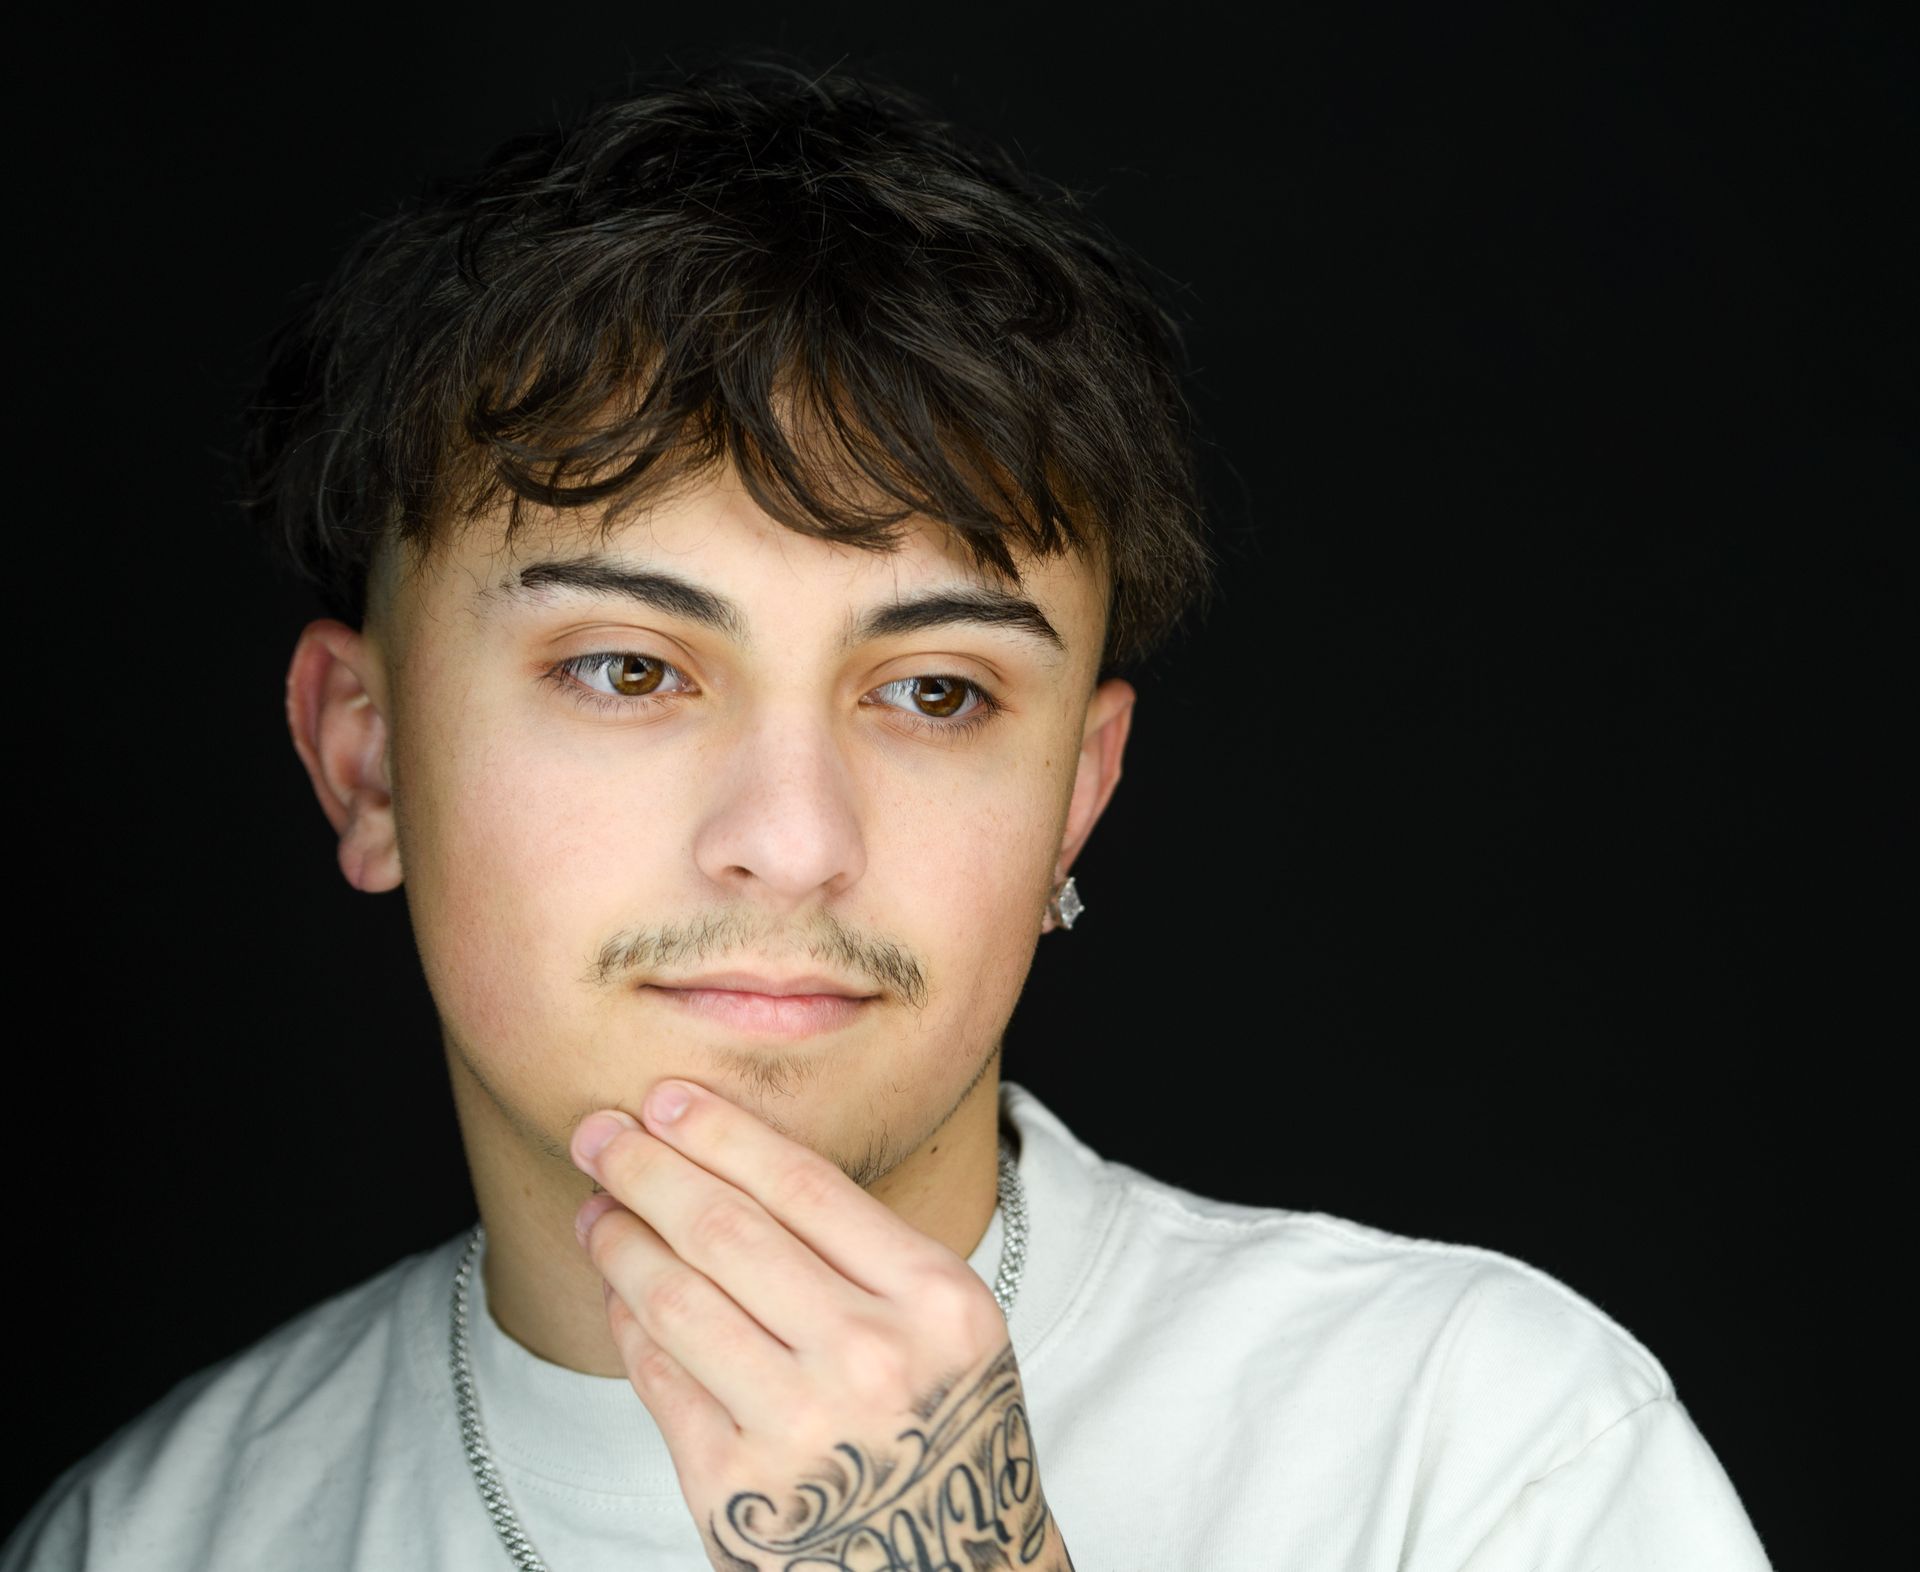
column 771, row 806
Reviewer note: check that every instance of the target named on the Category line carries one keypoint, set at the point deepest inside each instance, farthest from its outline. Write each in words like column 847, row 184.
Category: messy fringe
column 865, row 312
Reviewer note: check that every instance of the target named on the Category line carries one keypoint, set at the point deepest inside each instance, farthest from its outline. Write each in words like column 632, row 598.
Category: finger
column 726, row 1234
column 749, row 1373
column 692, row 1419
column 864, row 1240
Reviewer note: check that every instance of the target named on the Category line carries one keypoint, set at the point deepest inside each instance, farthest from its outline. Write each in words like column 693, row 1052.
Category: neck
column 544, row 1292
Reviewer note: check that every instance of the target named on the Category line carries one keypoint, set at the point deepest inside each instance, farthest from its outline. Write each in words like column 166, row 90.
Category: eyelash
column 567, row 674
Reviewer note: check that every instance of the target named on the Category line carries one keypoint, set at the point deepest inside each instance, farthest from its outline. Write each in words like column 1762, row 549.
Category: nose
column 783, row 822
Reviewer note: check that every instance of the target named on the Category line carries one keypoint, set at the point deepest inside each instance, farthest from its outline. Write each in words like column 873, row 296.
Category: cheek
column 970, row 882
column 518, row 867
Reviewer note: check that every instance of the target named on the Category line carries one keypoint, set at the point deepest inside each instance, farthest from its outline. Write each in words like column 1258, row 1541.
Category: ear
column 1104, row 739
column 336, row 710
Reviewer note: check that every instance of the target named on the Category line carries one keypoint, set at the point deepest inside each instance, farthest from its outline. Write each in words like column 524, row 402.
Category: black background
column 1508, row 859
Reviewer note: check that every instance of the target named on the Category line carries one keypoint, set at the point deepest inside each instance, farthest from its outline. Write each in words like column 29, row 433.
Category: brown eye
column 632, row 676
column 939, row 696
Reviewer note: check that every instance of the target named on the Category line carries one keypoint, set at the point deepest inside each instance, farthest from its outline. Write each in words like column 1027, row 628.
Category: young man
column 737, row 510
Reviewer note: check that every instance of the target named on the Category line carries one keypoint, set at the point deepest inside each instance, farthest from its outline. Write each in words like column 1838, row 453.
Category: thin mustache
column 678, row 946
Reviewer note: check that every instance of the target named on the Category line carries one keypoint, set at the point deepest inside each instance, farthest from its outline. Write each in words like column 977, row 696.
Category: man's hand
column 836, row 1389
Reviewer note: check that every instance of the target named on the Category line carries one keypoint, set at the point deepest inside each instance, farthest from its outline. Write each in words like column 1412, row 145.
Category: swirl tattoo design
column 960, row 1495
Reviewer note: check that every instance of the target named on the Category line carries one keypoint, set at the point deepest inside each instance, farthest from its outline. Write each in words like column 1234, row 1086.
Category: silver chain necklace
column 493, row 1494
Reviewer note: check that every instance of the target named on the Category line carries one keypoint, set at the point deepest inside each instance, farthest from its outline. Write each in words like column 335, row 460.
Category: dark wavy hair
column 868, row 311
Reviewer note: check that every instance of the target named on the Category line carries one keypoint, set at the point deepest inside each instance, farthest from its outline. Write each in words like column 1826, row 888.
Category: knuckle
column 963, row 1313
column 721, row 1226
column 812, row 1427
column 810, row 1181
column 715, row 1459
column 881, row 1373
column 656, row 1367
column 669, row 1299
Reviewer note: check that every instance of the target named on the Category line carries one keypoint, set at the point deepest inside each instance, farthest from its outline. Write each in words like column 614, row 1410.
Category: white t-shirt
column 1209, row 1385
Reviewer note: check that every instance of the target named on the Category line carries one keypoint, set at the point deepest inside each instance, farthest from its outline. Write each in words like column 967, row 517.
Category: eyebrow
column 668, row 592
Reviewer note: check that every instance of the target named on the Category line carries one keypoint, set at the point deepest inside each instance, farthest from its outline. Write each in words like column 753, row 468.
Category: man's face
column 603, row 795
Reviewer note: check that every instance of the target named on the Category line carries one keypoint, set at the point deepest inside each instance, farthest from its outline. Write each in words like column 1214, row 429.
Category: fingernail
column 668, row 1102
column 598, row 1129
column 591, row 1211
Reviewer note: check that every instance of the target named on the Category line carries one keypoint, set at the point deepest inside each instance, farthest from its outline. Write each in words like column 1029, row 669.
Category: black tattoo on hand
column 961, row 1495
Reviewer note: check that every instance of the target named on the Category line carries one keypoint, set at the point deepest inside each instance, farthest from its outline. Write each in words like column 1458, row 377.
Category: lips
column 771, row 987
column 768, row 1007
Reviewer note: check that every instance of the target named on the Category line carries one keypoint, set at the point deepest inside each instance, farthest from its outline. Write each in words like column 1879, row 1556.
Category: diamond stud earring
column 1066, row 904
